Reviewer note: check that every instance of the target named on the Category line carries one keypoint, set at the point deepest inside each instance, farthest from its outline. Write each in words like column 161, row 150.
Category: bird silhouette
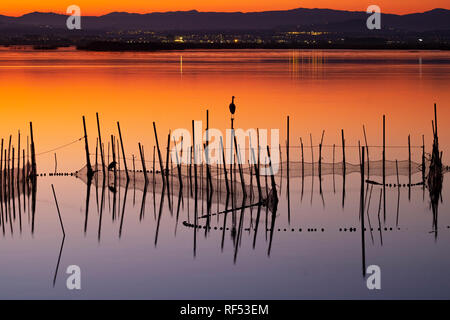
column 232, row 106
column 111, row 166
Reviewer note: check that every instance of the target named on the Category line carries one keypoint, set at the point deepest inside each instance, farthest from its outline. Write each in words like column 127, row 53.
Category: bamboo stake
column 144, row 169
column 423, row 158
column 343, row 152
column 303, row 159
column 101, row 145
column 167, row 159
column 33, row 152
column 224, row 165
column 240, row 168
column 367, row 152
column 384, row 167
column 159, row 153
column 123, row 151
column 86, row 146
column 320, row 154
column 18, row 159
column 409, row 159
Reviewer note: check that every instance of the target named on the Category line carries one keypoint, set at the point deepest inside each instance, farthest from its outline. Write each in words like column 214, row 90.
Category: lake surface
column 131, row 246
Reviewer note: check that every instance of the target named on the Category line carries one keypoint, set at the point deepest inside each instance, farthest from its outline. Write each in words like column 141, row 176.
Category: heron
column 112, row 166
column 232, row 106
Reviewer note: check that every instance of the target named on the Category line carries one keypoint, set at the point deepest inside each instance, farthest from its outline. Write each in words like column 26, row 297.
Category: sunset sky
column 99, row 7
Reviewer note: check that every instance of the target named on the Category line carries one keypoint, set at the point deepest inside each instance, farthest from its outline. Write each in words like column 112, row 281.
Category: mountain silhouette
column 322, row 19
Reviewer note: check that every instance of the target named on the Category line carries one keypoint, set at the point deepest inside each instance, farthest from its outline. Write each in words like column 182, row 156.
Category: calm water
column 139, row 251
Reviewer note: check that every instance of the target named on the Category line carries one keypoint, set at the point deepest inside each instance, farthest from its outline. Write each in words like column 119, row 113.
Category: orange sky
column 98, row 7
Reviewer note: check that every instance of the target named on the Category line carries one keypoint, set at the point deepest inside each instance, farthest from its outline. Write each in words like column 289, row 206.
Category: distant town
column 298, row 28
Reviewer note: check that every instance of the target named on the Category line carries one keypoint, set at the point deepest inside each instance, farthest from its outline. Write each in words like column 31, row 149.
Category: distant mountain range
column 320, row 19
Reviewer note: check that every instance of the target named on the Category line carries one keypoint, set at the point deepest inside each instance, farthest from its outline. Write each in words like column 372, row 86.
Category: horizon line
column 195, row 10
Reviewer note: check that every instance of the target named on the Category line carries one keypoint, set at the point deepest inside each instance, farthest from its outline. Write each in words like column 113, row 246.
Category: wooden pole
column 113, row 151
column 287, row 153
column 409, row 159
column 86, row 146
column 154, row 154
column 123, row 152
column 312, row 153
column 101, row 145
column 144, row 168
column 398, row 179
column 303, row 159
column 384, row 166
column 343, row 152
column 258, row 182
column 367, row 152
column 334, row 150
column 195, row 162
column 423, row 158
column 167, row 159
column 134, row 171
column 159, row 153
column 33, row 152
column 240, row 168
column 320, row 154
column 18, row 159
column 435, row 121
column 362, row 214
column 178, row 166
column 1, row 171
column 272, row 177
column 224, row 166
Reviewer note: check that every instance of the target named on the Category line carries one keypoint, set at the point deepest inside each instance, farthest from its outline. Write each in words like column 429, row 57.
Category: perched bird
column 112, row 189
column 232, row 106
column 111, row 166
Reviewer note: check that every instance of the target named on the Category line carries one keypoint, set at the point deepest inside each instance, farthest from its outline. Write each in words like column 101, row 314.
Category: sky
column 99, row 7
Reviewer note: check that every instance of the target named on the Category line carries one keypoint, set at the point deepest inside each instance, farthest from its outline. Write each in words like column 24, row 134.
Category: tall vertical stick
column 33, row 152
column 362, row 215
column 224, row 165
column 409, row 159
column 18, row 160
column 423, row 159
column 123, row 152
column 303, row 159
column 343, row 152
column 144, row 168
column 101, row 145
column 320, row 155
column 159, row 153
column 86, row 146
column 384, row 166
column 367, row 152
column 287, row 152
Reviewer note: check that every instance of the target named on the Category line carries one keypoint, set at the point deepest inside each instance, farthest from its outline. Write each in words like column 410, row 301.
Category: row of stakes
column 351, row 229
